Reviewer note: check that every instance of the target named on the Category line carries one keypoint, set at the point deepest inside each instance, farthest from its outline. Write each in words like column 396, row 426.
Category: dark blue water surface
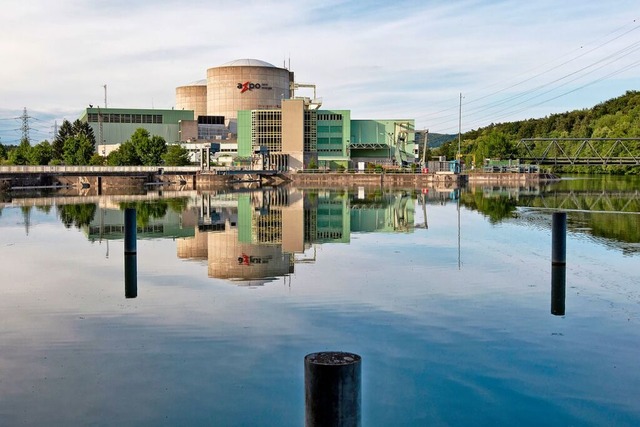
column 452, row 319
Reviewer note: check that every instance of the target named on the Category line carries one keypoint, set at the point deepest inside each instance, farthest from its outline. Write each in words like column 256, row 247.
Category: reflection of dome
column 253, row 282
column 231, row 259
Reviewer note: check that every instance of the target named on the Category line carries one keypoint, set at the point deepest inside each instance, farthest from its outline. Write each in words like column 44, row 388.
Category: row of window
column 124, row 118
column 330, row 129
column 329, row 116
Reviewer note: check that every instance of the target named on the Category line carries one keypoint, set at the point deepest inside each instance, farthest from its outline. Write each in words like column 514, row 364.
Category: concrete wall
column 266, row 86
column 193, row 97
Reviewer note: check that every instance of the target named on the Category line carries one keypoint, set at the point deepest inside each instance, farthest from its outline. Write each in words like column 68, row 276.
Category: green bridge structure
column 579, row 151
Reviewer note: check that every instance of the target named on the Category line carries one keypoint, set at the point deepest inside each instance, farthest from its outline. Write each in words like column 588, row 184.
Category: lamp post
column 459, row 125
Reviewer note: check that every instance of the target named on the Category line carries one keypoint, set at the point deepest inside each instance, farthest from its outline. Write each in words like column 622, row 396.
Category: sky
column 449, row 65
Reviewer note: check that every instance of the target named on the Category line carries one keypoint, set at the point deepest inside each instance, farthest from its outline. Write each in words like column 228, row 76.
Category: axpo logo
column 251, row 86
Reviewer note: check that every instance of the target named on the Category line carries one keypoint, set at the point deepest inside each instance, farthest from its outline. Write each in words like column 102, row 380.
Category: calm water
column 451, row 312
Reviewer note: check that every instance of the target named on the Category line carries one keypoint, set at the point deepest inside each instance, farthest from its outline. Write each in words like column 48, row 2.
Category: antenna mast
column 105, row 95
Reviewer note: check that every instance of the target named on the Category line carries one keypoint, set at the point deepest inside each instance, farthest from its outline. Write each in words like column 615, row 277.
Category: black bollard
column 130, row 254
column 559, row 238
column 332, row 389
column 558, row 289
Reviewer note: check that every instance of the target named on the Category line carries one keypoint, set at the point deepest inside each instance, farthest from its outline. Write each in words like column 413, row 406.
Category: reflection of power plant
column 383, row 212
column 252, row 237
column 256, row 236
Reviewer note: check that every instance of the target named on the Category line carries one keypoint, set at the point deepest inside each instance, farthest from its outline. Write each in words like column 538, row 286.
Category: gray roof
column 247, row 62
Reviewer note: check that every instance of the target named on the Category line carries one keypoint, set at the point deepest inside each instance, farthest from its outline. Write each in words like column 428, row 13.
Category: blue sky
column 510, row 60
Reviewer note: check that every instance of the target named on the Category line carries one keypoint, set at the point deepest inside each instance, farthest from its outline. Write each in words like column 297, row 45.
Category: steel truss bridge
column 579, row 151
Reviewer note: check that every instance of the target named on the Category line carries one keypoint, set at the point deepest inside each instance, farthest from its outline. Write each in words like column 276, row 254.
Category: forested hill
column 616, row 118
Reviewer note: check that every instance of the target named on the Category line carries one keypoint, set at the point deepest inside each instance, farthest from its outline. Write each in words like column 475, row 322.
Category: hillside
column 616, row 118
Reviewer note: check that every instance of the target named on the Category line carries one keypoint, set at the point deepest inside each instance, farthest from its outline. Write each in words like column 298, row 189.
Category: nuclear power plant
column 251, row 114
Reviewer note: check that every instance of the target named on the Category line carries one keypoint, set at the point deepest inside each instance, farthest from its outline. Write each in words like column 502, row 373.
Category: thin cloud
column 378, row 59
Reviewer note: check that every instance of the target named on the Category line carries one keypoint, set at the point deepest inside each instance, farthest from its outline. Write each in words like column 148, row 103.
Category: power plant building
column 249, row 113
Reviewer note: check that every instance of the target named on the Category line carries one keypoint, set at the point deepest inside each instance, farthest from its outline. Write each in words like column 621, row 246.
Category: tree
column 83, row 128
column 97, row 160
column 3, row 152
column 176, row 155
column 128, row 155
column 64, row 132
column 41, row 154
column 78, row 150
column 20, row 155
column 80, row 130
column 148, row 149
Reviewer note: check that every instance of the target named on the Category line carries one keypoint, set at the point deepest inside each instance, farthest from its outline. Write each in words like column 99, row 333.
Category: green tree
column 149, row 149
column 41, row 154
column 176, row 155
column 78, row 150
column 128, row 154
column 77, row 215
column 82, row 131
column 3, row 152
column 20, row 155
column 83, row 128
column 97, row 160
column 64, row 132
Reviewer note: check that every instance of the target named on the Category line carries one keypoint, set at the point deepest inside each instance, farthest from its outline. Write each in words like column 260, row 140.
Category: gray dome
column 248, row 62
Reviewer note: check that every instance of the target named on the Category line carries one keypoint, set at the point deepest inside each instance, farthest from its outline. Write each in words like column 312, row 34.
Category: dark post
column 558, row 289
column 130, row 254
column 332, row 389
column 559, row 238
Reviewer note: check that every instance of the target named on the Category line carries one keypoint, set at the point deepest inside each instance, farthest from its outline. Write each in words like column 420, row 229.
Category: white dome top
column 247, row 62
column 202, row 82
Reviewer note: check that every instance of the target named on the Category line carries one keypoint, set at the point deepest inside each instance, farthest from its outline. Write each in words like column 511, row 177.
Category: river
column 446, row 295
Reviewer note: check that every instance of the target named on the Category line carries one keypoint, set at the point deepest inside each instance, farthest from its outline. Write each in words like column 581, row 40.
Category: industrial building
column 276, row 128
column 113, row 126
column 250, row 113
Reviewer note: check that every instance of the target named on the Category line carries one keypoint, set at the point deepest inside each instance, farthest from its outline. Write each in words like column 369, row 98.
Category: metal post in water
column 559, row 238
column 130, row 254
column 332, row 389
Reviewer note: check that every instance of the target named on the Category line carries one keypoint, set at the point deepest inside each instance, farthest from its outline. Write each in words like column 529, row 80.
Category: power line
column 450, row 119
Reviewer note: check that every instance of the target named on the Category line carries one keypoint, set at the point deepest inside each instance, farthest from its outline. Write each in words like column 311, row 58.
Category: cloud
column 379, row 59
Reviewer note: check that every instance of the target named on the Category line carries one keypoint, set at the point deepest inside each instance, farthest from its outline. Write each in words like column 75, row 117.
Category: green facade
column 339, row 139
column 118, row 124
column 244, row 134
column 383, row 139
column 333, row 219
column 333, row 133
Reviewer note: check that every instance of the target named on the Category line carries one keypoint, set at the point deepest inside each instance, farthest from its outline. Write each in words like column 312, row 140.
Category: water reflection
column 558, row 289
column 604, row 208
column 259, row 236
